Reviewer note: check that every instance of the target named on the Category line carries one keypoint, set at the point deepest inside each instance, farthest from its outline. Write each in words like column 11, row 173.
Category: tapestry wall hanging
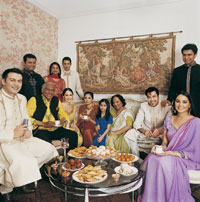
column 126, row 66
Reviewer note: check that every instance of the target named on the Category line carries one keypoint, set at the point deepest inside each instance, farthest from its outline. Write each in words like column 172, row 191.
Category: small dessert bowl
column 116, row 177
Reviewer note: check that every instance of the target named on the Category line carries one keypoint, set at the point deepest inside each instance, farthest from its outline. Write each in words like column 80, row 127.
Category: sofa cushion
column 131, row 104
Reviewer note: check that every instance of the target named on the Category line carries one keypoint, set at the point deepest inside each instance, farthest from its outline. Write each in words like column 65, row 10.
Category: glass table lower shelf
column 107, row 187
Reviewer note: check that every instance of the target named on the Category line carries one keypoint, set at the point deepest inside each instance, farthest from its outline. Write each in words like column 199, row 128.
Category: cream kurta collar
column 7, row 95
column 67, row 73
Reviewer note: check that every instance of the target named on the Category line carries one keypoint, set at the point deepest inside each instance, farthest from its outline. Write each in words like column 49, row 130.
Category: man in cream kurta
column 148, row 126
column 72, row 79
column 21, row 155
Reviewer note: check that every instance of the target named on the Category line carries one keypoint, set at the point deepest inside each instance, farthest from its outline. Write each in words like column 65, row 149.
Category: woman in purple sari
column 167, row 178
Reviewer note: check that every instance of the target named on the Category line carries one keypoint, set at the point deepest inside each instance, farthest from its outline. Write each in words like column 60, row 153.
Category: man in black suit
column 186, row 78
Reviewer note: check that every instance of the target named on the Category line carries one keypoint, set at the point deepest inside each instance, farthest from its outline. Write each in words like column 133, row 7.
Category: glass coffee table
column 107, row 187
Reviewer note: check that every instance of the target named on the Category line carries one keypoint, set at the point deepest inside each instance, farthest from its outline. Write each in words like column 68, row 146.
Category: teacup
column 57, row 123
column 85, row 117
column 159, row 149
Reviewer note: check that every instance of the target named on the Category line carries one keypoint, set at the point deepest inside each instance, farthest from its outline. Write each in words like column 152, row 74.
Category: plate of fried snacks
column 78, row 152
column 126, row 170
column 90, row 175
column 125, row 158
column 101, row 152
column 73, row 165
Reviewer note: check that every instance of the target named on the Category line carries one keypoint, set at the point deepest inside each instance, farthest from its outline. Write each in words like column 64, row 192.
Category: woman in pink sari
column 167, row 178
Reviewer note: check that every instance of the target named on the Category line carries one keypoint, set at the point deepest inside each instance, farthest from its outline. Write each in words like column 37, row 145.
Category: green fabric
column 117, row 141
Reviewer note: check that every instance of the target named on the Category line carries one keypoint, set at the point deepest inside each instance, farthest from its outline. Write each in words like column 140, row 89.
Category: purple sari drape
column 167, row 177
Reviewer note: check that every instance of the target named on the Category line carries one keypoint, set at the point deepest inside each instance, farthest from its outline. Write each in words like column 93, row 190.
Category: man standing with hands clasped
column 21, row 154
column 186, row 78
column 72, row 79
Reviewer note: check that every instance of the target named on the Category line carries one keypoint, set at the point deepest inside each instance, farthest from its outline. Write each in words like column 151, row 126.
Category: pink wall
column 27, row 29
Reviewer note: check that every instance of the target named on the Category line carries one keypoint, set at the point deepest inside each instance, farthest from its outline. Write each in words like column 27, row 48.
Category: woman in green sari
column 122, row 122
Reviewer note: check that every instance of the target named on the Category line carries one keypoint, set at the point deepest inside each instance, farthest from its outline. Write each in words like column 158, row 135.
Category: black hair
column 11, row 70
column 190, row 46
column 67, row 58
column 50, row 68
column 90, row 93
column 120, row 98
column 29, row 55
column 151, row 89
column 107, row 115
column 191, row 110
column 67, row 89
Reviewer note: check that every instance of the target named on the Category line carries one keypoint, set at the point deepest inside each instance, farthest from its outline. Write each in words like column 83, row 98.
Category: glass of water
column 64, row 145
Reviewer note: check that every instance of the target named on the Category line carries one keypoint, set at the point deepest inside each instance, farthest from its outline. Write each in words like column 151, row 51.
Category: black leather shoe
column 27, row 189
column 6, row 198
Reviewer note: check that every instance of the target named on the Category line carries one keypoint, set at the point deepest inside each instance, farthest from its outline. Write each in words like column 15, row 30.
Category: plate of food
column 90, row 175
column 125, row 158
column 78, row 152
column 73, row 165
column 101, row 152
column 126, row 170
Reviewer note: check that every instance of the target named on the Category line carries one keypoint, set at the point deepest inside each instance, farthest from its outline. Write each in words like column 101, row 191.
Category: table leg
column 86, row 195
column 65, row 194
column 132, row 196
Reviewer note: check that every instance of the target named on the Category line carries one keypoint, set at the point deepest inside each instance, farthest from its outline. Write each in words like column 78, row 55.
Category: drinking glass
column 64, row 145
column 25, row 122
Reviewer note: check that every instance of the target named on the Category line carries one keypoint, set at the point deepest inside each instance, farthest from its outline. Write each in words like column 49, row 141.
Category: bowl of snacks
column 125, row 158
column 126, row 170
column 73, row 165
column 78, row 152
column 100, row 153
column 90, row 175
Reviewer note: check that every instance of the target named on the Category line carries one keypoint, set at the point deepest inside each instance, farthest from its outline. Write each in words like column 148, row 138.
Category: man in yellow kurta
column 44, row 111
column 21, row 154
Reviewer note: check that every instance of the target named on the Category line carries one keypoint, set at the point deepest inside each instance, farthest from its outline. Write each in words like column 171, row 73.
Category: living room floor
column 47, row 193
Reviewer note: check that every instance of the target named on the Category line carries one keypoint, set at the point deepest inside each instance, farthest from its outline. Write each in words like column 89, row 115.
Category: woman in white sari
column 122, row 122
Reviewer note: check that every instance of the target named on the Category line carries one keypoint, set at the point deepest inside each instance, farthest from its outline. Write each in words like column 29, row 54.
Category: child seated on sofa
column 103, row 122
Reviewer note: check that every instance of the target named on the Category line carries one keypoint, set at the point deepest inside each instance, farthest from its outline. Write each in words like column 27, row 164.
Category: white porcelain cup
column 159, row 149
column 85, row 117
column 57, row 122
